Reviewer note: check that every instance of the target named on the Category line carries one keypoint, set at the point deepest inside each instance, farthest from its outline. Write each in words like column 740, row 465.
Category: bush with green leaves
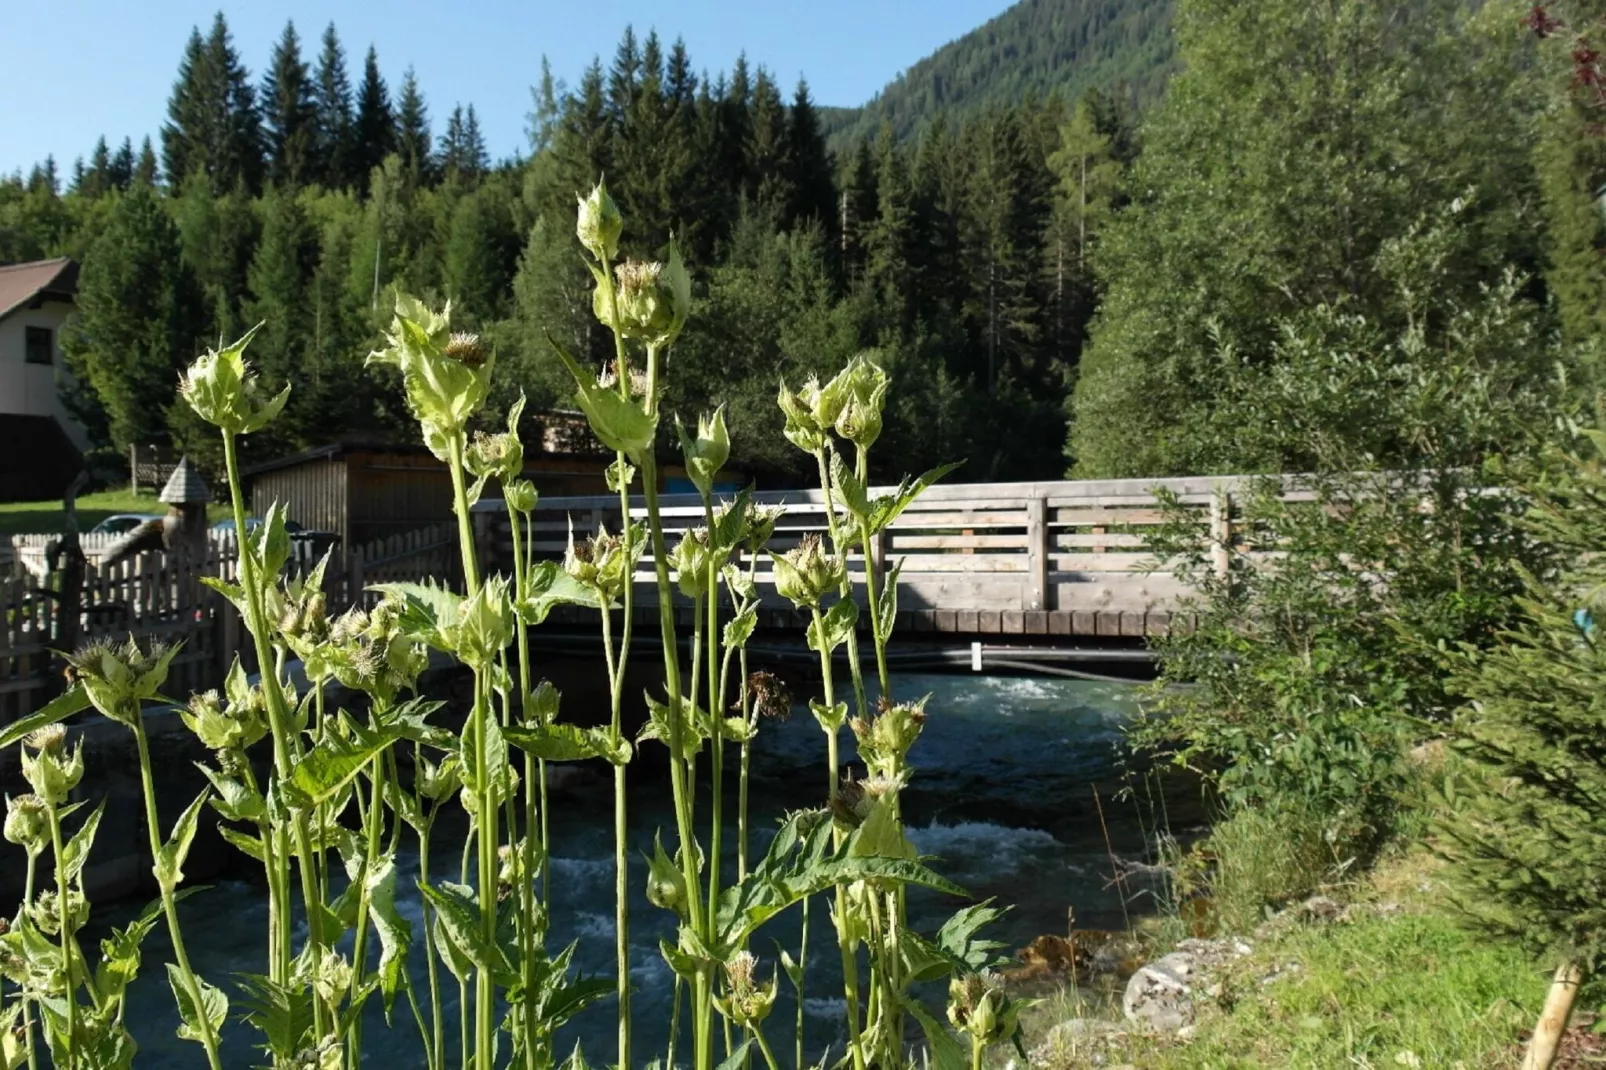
column 348, row 781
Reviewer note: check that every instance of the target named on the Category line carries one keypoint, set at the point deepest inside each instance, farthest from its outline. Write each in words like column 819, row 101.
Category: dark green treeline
column 307, row 196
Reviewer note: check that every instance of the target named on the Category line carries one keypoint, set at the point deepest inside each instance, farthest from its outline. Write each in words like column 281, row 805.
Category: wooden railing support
column 1037, row 552
column 1221, row 532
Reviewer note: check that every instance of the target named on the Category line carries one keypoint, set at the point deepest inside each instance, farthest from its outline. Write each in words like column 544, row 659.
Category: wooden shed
column 363, row 490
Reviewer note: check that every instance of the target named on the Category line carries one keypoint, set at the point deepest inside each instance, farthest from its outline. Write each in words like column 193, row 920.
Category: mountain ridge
column 1033, row 47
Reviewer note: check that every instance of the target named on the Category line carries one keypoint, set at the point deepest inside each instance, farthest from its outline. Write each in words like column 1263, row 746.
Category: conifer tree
column 1524, row 824
column 96, row 178
column 769, row 170
column 213, row 127
column 145, row 174
column 332, row 102
column 376, row 123
column 810, row 179
column 138, row 310
column 121, row 171
column 186, row 112
column 278, row 278
column 413, row 140
column 289, row 115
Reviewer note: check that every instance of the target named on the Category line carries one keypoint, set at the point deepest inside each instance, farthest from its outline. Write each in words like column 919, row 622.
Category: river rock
column 1160, row 995
column 1072, row 1030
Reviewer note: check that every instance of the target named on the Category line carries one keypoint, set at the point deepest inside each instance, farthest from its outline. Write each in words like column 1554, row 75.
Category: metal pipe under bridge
column 1059, row 559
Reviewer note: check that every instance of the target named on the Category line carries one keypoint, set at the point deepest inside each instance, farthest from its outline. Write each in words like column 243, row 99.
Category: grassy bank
column 1398, row 981
column 18, row 518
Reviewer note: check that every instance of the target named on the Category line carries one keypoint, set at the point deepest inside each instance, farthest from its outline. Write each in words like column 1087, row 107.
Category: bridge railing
column 1047, row 558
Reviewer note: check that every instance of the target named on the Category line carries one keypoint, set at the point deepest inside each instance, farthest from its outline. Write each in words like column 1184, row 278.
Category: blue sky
column 73, row 72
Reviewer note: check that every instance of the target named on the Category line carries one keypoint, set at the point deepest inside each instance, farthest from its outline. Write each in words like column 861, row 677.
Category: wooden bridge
column 1063, row 558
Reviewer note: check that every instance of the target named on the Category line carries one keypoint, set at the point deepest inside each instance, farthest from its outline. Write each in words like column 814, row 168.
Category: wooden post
column 1553, row 1018
column 1221, row 532
column 1037, row 552
column 133, row 468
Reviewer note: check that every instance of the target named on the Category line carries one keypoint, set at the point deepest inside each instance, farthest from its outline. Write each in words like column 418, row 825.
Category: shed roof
column 22, row 285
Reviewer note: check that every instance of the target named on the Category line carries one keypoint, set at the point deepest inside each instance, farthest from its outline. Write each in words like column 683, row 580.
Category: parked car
column 316, row 541
column 122, row 523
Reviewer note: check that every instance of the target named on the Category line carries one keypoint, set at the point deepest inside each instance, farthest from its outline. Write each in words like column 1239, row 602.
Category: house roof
column 23, row 285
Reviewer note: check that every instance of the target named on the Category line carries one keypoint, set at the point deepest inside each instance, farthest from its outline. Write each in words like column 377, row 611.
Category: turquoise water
column 1002, row 796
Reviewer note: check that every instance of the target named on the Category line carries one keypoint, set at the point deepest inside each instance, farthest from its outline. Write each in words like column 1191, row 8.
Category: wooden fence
column 160, row 596
column 1051, row 558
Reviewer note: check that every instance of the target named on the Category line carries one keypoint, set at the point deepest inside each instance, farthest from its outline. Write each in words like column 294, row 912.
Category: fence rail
column 161, row 596
column 1050, row 558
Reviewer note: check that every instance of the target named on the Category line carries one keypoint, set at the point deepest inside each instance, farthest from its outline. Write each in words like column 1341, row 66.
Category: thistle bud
column 666, row 884
column 884, row 740
column 690, row 559
column 438, row 782
column 521, row 496
column 598, row 224
column 761, row 521
column 484, row 625
column 806, row 574
column 802, row 429
column 332, row 977
column 28, row 822
column 45, row 911
column 500, row 455
column 864, row 396
column 707, row 451
column 446, row 376
column 118, row 678
column 231, row 726
column 222, row 390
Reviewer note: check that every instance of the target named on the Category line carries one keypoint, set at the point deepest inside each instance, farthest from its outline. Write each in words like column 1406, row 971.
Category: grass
column 1402, row 986
column 17, row 518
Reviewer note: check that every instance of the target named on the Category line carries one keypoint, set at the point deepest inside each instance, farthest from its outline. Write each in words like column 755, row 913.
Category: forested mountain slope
column 1036, row 46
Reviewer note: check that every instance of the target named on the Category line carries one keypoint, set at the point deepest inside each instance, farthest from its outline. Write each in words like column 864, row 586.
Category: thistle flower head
column 978, row 1005
column 691, row 559
column 223, row 391
column 45, row 911
column 28, row 823
column 885, row 738
column 760, row 525
column 119, row 677
column 332, row 977
column 771, row 698
column 706, row 451
column 806, row 574
column 446, row 376
column 50, row 739
column 228, row 724
column 862, row 397
column 747, row 1000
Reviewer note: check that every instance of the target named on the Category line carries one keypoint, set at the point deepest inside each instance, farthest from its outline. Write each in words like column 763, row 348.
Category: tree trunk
column 1553, row 1019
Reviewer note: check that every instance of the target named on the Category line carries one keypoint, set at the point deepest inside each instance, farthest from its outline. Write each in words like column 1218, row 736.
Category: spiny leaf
column 76, row 853
column 74, row 700
column 213, row 1004
column 169, row 864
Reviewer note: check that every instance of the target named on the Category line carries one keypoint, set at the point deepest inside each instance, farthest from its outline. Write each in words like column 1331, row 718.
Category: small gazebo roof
column 185, row 485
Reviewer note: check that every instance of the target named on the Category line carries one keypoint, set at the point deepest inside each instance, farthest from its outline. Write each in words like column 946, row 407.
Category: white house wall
column 35, row 389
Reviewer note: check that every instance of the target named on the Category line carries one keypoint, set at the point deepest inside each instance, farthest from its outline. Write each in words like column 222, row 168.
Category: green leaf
column 957, row 937
column 618, row 422
column 888, row 508
column 335, row 762
column 548, row 586
column 853, row 493
column 947, row 1053
column 739, row 629
column 169, row 864
column 213, row 1004
column 246, row 843
column 283, row 1015
column 736, row 1059
column 236, row 800
column 74, row 700
column 835, row 626
column 232, row 591
column 887, row 610
column 458, row 911
column 395, row 932
column 556, row 742
column 76, row 852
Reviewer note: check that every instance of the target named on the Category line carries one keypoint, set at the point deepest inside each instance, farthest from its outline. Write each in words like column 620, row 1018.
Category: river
column 1003, row 796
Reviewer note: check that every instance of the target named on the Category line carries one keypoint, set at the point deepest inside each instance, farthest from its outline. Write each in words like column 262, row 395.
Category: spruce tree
column 236, row 155
column 278, row 278
column 96, row 178
column 186, row 112
column 332, row 102
column 809, row 163
column 413, row 143
column 121, row 171
column 768, row 169
column 138, row 313
column 1524, row 822
column 289, row 115
column 145, row 173
column 376, row 123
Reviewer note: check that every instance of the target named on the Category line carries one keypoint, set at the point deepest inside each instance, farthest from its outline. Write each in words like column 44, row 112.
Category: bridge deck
column 1063, row 558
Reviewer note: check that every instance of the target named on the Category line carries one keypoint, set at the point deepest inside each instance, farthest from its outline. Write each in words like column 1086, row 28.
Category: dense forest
column 1036, row 47
column 305, row 198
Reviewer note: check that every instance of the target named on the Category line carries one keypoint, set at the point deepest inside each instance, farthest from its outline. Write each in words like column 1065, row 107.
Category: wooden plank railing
column 1048, row 558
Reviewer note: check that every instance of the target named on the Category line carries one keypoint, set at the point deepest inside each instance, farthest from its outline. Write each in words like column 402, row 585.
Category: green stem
column 437, row 1014
column 27, row 1001
column 764, row 1046
column 621, row 861
column 976, row 1049
column 802, row 977
column 847, row 583
column 169, row 905
column 64, row 920
column 850, row 969
column 372, row 825
column 284, row 745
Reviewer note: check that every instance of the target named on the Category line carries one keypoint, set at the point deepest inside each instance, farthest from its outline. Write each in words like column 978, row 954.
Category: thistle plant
column 351, row 779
